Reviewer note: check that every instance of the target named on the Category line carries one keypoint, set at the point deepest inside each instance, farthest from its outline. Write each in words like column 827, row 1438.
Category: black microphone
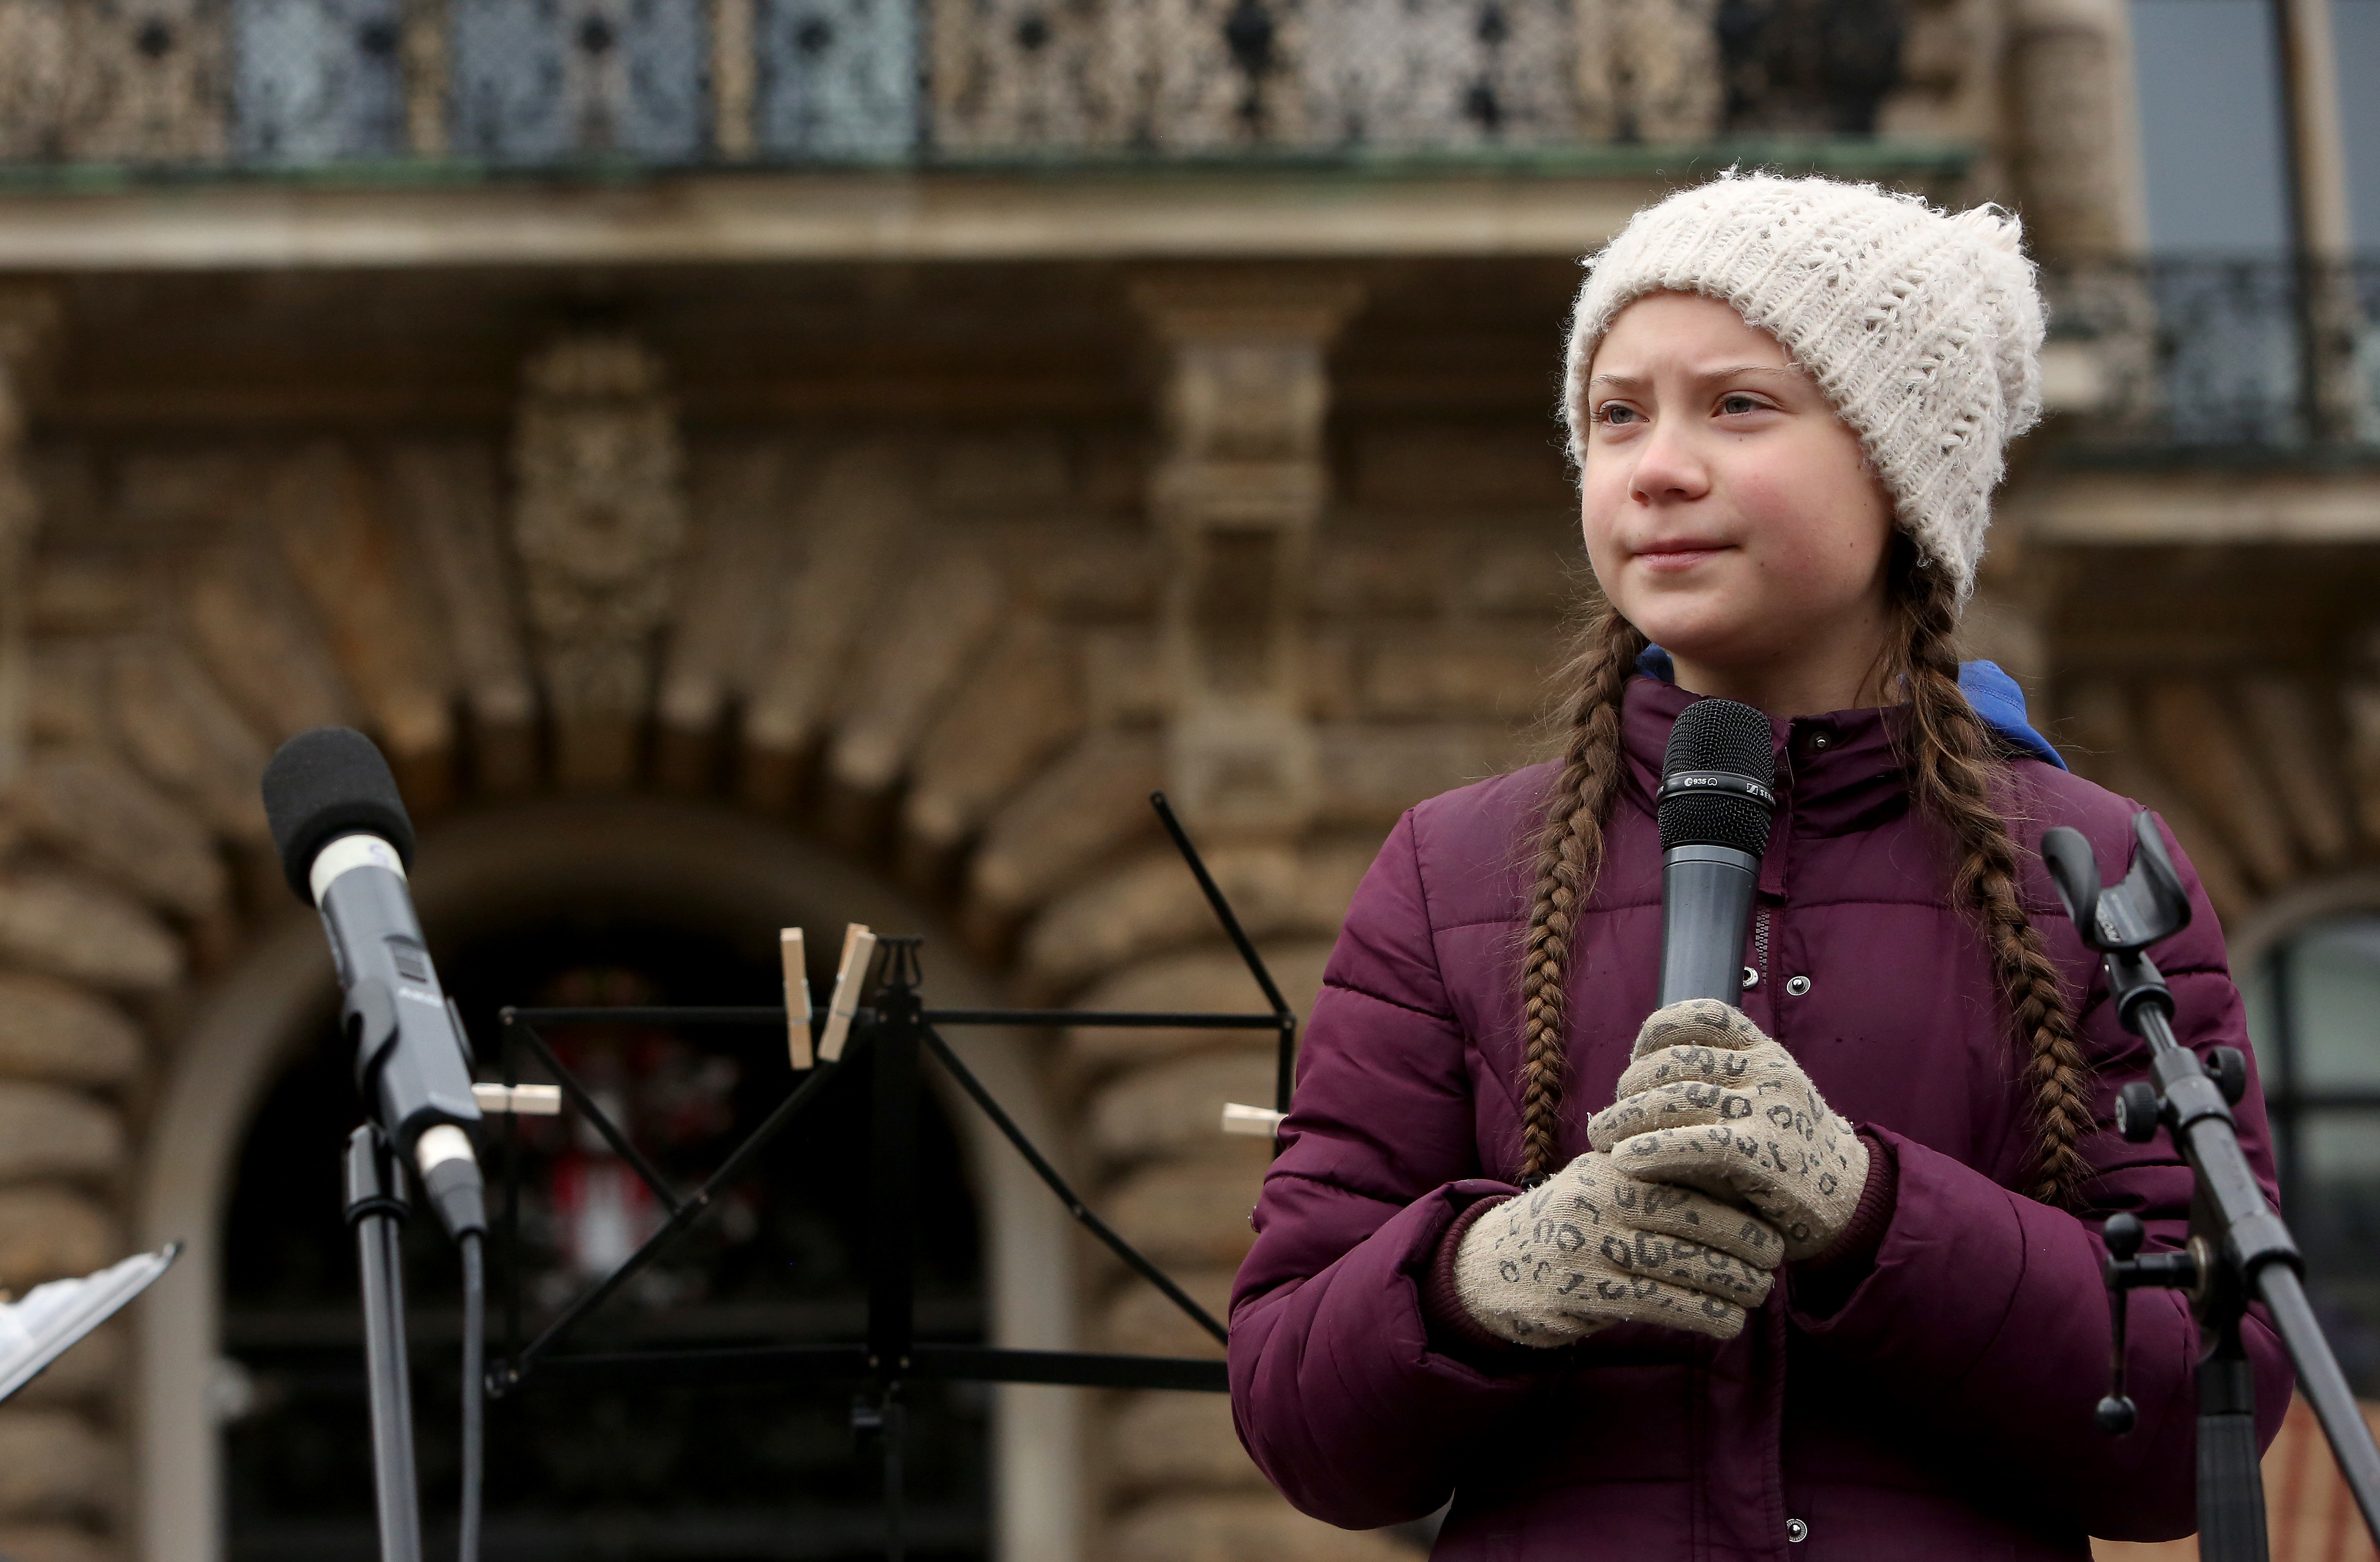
column 1714, row 808
column 346, row 843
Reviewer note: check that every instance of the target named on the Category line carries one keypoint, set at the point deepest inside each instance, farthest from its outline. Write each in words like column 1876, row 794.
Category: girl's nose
column 1668, row 464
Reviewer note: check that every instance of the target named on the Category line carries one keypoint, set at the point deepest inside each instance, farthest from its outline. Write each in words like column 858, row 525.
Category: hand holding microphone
column 1710, row 1102
column 1592, row 1246
column 1713, row 1104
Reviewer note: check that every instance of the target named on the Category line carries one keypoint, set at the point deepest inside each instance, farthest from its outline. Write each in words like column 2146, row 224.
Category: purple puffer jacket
column 1941, row 1411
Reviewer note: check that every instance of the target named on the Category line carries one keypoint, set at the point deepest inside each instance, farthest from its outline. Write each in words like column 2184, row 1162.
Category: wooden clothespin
column 859, row 951
column 1260, row 1122
column 798, row 997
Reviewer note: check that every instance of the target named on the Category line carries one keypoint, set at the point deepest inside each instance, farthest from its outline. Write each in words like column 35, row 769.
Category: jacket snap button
column 1796, row 1531
column 1797, row 986
column 1751, row 978
column 1819, row 741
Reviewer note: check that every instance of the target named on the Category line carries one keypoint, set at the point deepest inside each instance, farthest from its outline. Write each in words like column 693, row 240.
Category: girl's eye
column 1614, row 413
column 1739, row 401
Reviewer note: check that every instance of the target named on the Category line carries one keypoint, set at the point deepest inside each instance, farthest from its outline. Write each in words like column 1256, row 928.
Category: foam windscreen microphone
column 329, row 782
column 346, row 844
column 1715, row 807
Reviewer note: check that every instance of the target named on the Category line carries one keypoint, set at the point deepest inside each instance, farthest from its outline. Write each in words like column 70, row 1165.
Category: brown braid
column 1953, row 773
column 1570, row 849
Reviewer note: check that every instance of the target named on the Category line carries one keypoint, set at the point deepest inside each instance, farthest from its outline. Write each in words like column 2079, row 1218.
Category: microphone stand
column 376, row 1209
column 2238, row 1248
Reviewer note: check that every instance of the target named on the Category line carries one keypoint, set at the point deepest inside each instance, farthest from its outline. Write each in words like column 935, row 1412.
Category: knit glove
column 1713, row 1104
column 1592, row 1246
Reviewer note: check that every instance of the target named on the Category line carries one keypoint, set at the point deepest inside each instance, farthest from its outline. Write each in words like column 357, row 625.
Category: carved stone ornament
column 36, row 40
column 599, row 522
column 1649, row 71
column 1439, row 72
column 113, row 80
column 1239, row 493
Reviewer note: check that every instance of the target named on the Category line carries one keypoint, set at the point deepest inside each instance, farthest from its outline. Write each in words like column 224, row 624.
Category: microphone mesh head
column 1718, row 735
column 329, row 782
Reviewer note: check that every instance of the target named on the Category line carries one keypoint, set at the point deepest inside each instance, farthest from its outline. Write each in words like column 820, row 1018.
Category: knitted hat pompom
column 1923, row 328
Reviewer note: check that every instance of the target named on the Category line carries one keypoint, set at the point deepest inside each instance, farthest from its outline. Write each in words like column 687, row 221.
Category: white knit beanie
column 1923, row 329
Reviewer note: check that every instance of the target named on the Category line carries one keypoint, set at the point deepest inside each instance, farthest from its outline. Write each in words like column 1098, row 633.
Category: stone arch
column 962, row 656
column 478, row 871
column 2255, row 936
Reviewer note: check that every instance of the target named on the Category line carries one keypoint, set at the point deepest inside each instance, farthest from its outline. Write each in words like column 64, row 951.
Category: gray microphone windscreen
column 329, row 782
column 1728, row 738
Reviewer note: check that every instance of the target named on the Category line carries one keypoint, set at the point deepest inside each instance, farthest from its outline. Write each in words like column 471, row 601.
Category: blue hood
column 1995, row 696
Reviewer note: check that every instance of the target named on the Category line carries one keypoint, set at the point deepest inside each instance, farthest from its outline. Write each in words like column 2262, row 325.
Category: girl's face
column 1727, row 512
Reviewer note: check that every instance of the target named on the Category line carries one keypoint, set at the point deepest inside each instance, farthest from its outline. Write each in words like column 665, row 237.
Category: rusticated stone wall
column 966, row 656
column 1306, row 565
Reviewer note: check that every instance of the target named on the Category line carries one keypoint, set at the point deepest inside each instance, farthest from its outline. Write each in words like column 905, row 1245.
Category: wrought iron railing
column 2244, row 356
column 282, row 84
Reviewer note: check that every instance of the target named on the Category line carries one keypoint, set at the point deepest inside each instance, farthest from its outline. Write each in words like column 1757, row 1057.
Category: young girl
column 1498, row 1257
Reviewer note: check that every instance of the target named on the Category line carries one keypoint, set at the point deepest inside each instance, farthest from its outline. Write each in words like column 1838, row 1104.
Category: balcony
column 2243, row 362
column 95, row 91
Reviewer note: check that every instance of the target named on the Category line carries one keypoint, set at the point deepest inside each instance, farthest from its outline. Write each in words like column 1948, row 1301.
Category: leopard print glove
column 1712, row 1103
column 1592, row 1246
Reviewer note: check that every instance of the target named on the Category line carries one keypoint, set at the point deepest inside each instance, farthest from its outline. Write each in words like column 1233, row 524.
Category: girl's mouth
column 1670, row 558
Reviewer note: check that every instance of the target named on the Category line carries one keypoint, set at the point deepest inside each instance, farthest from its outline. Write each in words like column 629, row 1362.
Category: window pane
column 2336, row 1222
column 2211, row 125
column 2356, row 33
column 2333, row 999
column 2263, row 1020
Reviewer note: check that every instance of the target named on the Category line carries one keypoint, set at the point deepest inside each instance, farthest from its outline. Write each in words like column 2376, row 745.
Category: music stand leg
column 895, row 1425
column 376, row 1209
column 894, row 1043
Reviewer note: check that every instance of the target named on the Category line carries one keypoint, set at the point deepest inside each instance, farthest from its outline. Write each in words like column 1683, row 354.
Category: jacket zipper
column 1760, row 946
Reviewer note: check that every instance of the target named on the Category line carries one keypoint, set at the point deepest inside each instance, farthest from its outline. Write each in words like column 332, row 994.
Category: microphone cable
column 475, row 1393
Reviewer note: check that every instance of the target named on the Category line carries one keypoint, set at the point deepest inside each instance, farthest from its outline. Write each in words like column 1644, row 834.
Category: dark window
column 618, row 1468
column 2314, row 1009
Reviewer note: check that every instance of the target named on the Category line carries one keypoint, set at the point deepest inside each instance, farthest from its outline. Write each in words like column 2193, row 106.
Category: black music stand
column 898, row 1031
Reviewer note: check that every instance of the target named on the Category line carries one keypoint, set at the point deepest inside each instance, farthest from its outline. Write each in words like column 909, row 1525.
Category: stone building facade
column 913, row 524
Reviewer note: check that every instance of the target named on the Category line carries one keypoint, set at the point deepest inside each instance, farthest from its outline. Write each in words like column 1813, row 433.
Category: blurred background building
column 770, row 461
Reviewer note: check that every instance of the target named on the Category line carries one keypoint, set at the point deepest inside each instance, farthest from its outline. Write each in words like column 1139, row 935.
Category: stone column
column 2075, row 136
column 29, row 321
column 734, row 78
column 2072, row 144
column 2336, row 402
column 425, row 77
column 1237, row 497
